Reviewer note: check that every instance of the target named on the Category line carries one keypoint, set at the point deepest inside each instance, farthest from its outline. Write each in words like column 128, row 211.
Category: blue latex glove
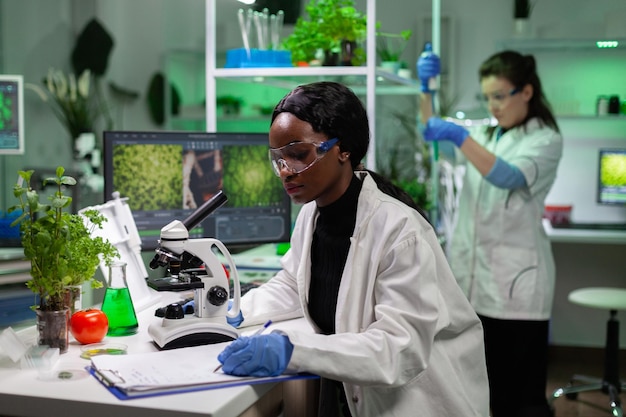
column 262, row 355
column 234, row 321
column 428, row 66
column 437, row 129
column 189, row 307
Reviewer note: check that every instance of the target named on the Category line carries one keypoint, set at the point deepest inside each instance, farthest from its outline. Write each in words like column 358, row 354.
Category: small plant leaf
column 68, row 180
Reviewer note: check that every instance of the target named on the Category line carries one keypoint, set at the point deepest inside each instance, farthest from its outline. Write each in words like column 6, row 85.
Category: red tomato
column 89, row 326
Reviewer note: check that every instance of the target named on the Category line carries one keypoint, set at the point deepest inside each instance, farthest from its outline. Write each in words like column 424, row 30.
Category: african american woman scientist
column 394, row 333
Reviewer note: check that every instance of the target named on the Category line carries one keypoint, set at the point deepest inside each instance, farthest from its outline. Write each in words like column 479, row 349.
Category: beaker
column 117, row 304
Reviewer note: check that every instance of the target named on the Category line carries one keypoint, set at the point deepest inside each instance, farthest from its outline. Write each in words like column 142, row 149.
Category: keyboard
column 591, row 226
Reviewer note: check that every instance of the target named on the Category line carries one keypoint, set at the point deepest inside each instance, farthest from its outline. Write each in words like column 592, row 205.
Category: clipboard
column 170, row 372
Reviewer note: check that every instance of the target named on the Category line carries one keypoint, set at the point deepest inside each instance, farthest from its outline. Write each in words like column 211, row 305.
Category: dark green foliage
column 390, row 46
column 151, row 174
column 58, row 244
column 6, row 111
column 247, row 170
column 92, row 49
column 329, row 23
column 156, row 99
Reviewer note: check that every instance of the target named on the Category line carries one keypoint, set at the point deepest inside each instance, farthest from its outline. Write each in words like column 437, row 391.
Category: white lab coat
column 407, row 340
column 499, row 252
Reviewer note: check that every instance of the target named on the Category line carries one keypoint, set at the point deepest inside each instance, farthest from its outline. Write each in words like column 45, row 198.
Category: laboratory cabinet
column 15, row 298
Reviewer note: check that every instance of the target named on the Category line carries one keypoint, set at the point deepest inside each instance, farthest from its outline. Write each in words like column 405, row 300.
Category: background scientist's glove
column 234, row 321
column 428, row 66
column 437, row 129
column 262, row 355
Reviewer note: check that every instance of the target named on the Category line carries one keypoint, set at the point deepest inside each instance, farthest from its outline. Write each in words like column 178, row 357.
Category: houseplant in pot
column 390, row 46
column 61, row 251
column 335, row 27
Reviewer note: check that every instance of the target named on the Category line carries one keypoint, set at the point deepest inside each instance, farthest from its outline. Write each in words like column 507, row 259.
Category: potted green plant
column 230, row 105
column 331, row 26
column 61, row 249
column 390, row 46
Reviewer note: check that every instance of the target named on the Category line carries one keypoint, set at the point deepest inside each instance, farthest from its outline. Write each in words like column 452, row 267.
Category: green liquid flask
column 117, row 304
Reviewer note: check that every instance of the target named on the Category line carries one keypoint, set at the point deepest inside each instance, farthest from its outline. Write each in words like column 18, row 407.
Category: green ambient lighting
column 607, row 44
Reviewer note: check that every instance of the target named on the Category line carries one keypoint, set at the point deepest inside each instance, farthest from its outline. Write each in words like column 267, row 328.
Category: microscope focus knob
column 174, row 311
column 217, row 295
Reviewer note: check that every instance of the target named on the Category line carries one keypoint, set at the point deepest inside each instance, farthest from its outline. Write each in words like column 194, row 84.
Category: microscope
column 194, row 266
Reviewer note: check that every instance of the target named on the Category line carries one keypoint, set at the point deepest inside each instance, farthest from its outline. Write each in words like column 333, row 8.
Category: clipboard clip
column 109, row 377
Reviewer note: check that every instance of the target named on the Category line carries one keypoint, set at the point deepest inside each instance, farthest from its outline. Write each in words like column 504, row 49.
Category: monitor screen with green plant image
column 167, row 175
column 612, row 176
column 11, row 115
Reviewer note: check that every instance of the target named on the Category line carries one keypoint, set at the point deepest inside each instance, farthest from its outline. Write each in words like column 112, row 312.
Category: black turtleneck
column 329, row 250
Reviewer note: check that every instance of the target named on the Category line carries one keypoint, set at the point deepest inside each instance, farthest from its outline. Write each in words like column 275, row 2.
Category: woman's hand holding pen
column 257, row 355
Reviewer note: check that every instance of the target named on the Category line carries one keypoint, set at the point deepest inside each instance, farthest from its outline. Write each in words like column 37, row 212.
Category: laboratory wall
column 38, row 34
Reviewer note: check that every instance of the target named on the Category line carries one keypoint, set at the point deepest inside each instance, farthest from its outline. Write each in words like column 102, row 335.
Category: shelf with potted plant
column 389, row 48
column 365, row 79
column 335, row 27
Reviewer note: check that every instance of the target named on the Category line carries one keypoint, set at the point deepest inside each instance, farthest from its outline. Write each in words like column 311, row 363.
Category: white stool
column 612, row 299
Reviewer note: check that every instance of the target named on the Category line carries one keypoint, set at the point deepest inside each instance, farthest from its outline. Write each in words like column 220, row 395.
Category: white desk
column 23, row 393
column 584, row 236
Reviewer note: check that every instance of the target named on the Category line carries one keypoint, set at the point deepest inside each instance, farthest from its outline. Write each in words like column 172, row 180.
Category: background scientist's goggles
column 497, row 99
column 299, row 156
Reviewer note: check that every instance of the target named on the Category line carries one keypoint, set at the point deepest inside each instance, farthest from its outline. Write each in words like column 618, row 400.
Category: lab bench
column 24, row 393
column 585, row 236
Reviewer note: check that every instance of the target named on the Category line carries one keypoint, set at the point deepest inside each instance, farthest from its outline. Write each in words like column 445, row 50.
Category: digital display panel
column 167, row 175
column 612, row 176
column 11, row 115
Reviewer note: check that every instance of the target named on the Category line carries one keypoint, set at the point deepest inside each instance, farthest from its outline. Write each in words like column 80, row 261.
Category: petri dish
column 95, row 349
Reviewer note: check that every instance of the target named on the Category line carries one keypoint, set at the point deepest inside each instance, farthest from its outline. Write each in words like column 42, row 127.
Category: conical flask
column 117, row 304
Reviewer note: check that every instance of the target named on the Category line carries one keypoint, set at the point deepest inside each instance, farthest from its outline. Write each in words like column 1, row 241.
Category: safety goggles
column 497, row 99
column 297, row 157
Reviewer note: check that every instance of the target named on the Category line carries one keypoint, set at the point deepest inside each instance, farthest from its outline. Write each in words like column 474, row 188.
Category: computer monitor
column 612, row 176
column 166, row 175
column 11, row 115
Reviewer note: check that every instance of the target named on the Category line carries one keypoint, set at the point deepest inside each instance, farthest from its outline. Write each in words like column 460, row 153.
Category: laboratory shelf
column 368, row 72
column 289, row 72
column 386, row 82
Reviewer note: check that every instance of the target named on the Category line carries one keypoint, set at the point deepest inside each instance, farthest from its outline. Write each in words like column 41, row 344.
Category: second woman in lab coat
column 499, row 251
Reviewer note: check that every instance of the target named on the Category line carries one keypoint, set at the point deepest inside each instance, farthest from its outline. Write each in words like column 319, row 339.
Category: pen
column 258, row 332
